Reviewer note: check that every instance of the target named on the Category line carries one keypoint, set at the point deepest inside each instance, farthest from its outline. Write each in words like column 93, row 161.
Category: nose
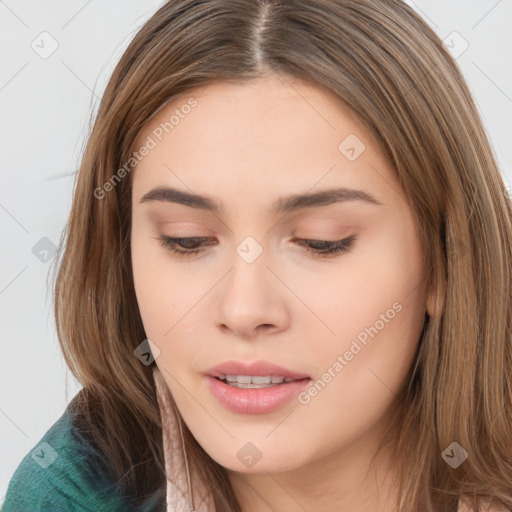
column 251, row 300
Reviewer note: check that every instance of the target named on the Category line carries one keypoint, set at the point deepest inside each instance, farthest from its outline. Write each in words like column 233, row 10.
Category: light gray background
column 45, row 108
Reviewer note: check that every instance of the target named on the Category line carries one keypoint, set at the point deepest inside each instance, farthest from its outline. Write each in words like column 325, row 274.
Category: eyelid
column 334, row 247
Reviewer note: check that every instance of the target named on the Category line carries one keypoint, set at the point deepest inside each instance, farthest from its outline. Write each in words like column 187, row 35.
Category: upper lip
column 257, row 368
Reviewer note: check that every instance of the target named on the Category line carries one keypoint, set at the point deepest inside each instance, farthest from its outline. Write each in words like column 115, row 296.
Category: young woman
column 285, row 282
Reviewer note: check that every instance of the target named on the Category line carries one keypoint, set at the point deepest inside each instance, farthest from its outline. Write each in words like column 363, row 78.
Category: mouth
column 256, row 388
column 258, row 372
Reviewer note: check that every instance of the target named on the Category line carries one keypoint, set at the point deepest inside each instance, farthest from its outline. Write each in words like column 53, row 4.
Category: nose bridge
column 249, row 274
column 250, row 295
column 254, row 243
column 250, row 250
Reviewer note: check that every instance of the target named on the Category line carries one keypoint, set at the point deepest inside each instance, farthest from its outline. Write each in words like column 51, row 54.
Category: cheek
column 156, row 291
column 169, row 299
column 149, row 284
column 359, row 376
column 349, row 294
column 372, row 308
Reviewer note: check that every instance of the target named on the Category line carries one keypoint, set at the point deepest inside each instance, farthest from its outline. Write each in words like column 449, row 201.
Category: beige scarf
column 186, row 492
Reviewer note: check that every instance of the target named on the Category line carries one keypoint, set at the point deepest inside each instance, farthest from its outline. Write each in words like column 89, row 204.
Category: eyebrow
column 285, row 204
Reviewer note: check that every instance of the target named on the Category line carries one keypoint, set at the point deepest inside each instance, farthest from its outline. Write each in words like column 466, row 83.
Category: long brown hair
column 387, row 65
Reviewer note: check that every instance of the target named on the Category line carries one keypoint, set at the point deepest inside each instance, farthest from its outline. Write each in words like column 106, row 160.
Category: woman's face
column 344, row 327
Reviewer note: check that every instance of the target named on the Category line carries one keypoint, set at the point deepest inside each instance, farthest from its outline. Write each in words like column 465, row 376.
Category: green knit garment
column 59, row 475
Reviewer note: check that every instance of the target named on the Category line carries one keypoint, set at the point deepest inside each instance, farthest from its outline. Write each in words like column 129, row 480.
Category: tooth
column 250, row 386
column 261, row 380
column 256, row 380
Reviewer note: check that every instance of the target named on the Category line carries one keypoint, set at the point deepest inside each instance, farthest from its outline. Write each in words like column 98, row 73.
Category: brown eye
column 188, row 244
column 325, row 248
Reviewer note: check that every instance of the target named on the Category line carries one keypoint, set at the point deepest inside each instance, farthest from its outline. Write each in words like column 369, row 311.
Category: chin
column 249, row 459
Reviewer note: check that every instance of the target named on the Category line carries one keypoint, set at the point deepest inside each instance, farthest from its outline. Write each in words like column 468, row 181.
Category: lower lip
column 257, row 400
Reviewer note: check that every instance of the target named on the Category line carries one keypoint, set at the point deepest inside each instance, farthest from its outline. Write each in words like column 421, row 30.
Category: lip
column 257, row 400
column 260, row 368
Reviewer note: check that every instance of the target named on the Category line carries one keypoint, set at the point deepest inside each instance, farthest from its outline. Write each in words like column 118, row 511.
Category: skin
column 246, row 145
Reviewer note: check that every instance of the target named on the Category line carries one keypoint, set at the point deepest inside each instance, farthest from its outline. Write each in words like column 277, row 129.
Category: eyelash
column 333, row 247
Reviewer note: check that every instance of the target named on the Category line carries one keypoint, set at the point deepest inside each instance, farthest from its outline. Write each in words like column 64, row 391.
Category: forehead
column 247, row 139
column 264, row 109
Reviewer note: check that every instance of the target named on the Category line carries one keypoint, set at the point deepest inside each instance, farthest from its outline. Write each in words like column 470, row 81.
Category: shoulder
column 58, row 474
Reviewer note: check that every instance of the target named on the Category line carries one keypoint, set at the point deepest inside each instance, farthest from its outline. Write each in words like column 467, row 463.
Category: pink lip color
column 254, row 401
column 260, row 368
